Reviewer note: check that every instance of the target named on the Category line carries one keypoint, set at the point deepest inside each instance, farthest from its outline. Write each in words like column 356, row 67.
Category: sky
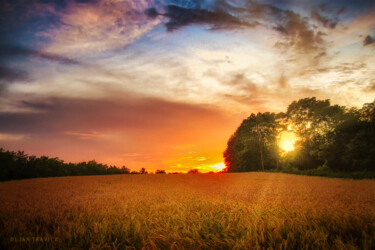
column 163, row 84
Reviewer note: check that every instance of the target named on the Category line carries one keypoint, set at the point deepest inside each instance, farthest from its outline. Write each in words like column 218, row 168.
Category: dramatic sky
column 162, row 84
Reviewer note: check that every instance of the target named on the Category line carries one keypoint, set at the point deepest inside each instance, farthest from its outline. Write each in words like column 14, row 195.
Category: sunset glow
column 164, row 84
column 217, row 167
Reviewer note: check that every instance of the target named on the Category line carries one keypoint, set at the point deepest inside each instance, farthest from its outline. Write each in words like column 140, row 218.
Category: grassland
column 197, row 211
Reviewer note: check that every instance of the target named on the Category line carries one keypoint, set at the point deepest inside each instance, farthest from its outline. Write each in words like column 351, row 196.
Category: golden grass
column 221, row 211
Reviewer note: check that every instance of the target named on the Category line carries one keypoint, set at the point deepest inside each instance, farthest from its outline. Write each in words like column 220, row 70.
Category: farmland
column 244, row 210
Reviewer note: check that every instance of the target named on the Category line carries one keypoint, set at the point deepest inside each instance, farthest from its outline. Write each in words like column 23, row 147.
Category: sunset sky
column 164, row 84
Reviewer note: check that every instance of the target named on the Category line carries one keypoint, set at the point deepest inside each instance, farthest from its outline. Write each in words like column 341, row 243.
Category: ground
column 221, row 211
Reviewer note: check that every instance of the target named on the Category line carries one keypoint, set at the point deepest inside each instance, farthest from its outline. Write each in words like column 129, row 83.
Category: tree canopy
column 333, row 136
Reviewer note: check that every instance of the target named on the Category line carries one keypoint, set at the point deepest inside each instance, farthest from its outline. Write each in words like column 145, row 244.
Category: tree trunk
column 261, row 152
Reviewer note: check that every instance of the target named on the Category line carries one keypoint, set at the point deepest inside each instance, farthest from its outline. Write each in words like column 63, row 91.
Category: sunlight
column 287, row 141
column 217, row 167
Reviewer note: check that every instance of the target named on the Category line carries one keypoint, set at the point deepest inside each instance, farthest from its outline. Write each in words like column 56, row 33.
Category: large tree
column 352, row 146
column 313, row 120
column 254, row 144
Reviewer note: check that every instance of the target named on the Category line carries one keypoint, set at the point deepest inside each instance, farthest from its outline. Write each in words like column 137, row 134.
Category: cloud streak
column 180, row 17
column 8, row 51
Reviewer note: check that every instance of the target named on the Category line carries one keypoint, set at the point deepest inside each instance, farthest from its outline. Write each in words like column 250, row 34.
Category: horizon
column 164, row 84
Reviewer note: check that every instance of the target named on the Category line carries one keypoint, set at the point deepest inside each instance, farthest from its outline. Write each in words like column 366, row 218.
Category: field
column 196, row 211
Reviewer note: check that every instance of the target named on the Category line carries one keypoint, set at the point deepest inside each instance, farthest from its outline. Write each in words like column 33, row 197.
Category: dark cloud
column 371, row 87
column 241, row 82
column 9, row 74
column 344, row 68
column 325, row 21
column 368, row 40
column 9, row 51
column 20, row 20
column 350, row 68
column 180, row 17
column 299, row 33
column 328, row 14
column 355, row 7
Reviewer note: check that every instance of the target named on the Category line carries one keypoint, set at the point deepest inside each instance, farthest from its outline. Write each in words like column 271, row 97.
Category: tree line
column 18, row 165
column 331, row 138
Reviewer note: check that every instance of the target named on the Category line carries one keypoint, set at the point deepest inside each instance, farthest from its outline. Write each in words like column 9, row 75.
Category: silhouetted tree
column 143, row 171
column 18, row 165
column 193, row 171
column 160, row 171
column 254, row 144
column 352, row 146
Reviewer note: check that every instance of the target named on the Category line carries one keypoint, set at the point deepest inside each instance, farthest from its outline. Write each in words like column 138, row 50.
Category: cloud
column 11, row 137
column 8, row 51
column 328, row 15
column 368, row 40
column 8, row 74
column 350, row 68
column 83, row 135
column 12, row 57
column 98, row 26
column 371, row 87
column 299, row 34
column 325, row 21
column 180, row 17
column 24, row 16
column 74, row 27
column 240, row 82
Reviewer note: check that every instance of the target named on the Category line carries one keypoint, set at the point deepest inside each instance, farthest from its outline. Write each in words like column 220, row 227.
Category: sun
column 287, row 141
column 216, row 168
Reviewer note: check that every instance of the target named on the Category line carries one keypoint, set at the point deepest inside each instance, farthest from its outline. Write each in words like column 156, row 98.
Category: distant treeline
column 331, row 139
column 18, row 165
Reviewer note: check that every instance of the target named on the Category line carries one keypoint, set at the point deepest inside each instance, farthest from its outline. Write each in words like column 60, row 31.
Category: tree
column 231, row 154
column 160, row 171
column 193, row 171
column 143, row 171
column 329, row 135
column 125, row 170
column 352, row 146
column 254, row 144
column 313, row 121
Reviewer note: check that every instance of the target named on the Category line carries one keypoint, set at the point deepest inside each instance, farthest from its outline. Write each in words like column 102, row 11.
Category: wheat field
column 188, row 211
